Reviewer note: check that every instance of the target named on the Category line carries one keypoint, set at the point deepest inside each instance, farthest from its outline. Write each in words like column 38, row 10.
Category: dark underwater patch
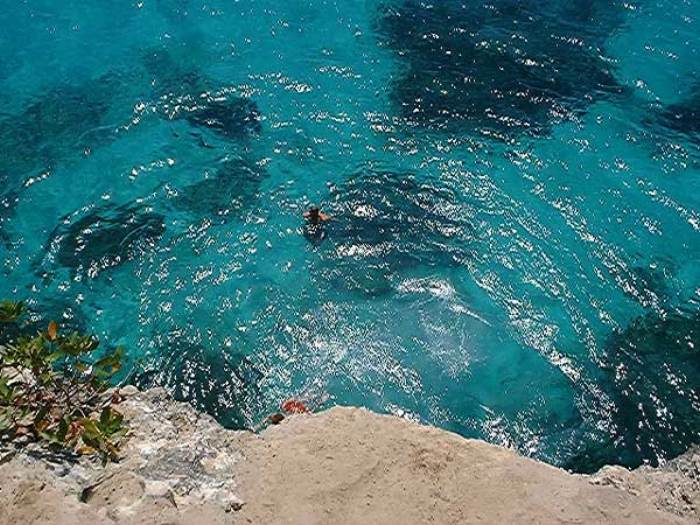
column 103, row 238
column 505, row 67
column 62, row 123
column 186, row 94
column 231, row 116
column 649, row 285
column 653, row 377
column 214, row 381
column 228, row 193
column 167, row 76
column 8, row 202
column 386, row 222
column 682, row 117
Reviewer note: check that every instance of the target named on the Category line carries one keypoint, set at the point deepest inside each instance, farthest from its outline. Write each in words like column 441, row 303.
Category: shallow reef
column 388, row 221
column 230, row 116
column 90, row 242
column 61, row 123
column 652, row 370
column 216, row 381
column 649, row 284
column 498, row 68
column 231, row 190
column 184, row 93
column 682, row 117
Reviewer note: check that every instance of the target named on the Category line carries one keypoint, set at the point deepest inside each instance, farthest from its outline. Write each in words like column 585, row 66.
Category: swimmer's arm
column 325, row 217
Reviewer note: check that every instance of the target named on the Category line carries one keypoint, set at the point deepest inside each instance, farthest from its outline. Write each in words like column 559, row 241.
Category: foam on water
column 514, row 253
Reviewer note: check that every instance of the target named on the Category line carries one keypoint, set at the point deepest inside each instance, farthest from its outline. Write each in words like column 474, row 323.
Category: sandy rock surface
column 349, row 466
column 341, row 466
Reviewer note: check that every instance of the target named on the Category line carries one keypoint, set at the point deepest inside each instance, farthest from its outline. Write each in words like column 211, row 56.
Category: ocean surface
column 515, row 190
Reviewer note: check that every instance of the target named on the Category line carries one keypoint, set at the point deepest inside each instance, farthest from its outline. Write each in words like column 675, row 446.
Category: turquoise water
column 515, row 186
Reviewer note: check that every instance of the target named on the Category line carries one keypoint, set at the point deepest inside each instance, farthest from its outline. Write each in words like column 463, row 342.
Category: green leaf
column 75, row 344
column 108, row 365
column 90, row 429
column 5, row 390
column 40, row 415
column 10, row 311
column 62, row 431
column 110, row 421
column 55, row 387
column 55, row 356
column 105, row 416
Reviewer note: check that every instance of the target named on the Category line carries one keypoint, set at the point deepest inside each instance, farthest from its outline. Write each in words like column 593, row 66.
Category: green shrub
column 10, row 312
column 53, row 389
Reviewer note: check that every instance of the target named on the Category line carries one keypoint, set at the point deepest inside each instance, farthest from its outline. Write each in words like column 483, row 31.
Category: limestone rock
column 342, row 466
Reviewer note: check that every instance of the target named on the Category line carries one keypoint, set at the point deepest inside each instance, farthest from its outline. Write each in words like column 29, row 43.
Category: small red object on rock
column 292, row 406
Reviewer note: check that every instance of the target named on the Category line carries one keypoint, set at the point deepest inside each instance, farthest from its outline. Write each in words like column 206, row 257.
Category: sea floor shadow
column 652, row 375
column 90, row 242
column 502, row 68
column 387, row 222
column 216, row 381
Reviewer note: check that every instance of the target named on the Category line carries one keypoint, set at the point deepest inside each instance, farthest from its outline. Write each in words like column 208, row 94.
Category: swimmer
column 316, row 216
